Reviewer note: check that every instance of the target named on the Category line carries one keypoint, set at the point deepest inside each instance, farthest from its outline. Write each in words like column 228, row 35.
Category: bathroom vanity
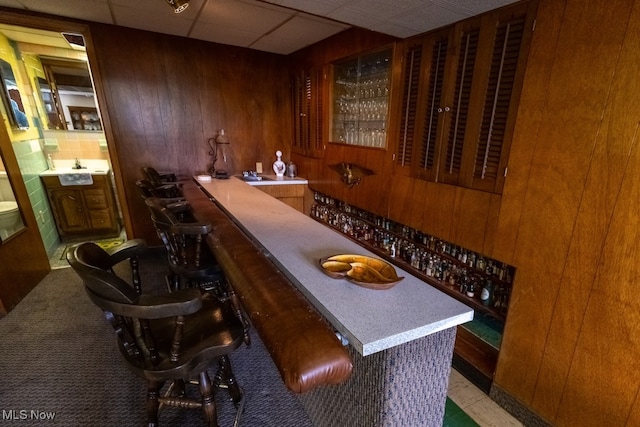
column 84, row 208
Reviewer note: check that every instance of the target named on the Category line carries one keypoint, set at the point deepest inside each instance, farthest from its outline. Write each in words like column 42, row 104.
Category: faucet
column 78, row 165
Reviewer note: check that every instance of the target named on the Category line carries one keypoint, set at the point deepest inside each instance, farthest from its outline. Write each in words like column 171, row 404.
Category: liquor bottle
column 486, row 295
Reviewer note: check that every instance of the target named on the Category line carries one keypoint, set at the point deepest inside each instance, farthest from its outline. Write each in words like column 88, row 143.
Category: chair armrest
column 170, row 200
column 177, row 206
column 192, row 228
column 171, row 177
column 179, row 303
column 128, row 249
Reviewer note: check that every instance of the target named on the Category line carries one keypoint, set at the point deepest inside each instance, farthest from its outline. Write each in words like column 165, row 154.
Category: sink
column 251, row 178
column 67, row 166
column 67, row 171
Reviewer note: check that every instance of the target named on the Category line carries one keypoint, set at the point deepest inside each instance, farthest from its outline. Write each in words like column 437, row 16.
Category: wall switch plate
column 258, row 167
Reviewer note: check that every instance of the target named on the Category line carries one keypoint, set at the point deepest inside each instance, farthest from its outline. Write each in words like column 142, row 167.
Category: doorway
column 65, row 131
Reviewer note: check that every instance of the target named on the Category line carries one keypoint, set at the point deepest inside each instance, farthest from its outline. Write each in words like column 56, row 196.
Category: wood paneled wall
column 166, row 96
column 568, row 217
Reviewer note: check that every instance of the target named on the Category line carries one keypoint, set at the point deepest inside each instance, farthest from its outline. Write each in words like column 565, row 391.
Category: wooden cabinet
column 308, row 99
column 83, row 211
column 360, row 99
column 85, row 118
column 291, row 194
column 461, row 87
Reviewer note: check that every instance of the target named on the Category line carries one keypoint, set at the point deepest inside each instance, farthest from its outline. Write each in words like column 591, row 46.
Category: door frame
column 13, row 250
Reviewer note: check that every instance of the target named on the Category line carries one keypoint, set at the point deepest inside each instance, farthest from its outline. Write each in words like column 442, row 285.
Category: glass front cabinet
column 360, row 89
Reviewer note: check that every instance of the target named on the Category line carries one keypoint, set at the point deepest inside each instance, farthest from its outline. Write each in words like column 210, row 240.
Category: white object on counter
column 278, row 166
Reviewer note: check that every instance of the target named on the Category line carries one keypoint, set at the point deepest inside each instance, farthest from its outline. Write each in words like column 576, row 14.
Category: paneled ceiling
column 278, row 26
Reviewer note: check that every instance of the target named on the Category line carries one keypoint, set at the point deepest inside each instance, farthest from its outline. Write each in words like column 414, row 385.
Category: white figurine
column 278, row 166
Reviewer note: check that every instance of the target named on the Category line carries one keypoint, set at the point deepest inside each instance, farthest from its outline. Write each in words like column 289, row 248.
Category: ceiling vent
column 76, row 41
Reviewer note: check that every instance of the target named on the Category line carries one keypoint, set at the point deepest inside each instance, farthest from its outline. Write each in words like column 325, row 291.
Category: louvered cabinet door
column 301, row 90
column 461, row 88
column 411, row 72
column 434, row 105
column 466, row 42
column 488, row 155
column 308, row 98
column 316, row 124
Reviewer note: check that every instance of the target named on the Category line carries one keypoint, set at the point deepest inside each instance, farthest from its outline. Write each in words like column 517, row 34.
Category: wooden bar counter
column 400, row 339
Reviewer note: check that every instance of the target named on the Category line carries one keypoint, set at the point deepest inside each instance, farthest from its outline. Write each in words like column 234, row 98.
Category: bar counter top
column 371, row 320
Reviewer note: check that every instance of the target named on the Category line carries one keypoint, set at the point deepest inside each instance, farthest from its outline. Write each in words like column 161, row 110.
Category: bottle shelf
column 478, row 281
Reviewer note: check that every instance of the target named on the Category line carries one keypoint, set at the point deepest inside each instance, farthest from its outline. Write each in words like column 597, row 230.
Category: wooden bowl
column 371, row 273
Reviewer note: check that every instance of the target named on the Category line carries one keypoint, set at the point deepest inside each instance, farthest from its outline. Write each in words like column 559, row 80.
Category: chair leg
column 225, row 379
column 208, row 402
column 153, row 393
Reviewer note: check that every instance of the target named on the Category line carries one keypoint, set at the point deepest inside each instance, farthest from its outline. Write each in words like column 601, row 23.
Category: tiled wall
column 32, row 158
column 32, row 161
column 75, row 144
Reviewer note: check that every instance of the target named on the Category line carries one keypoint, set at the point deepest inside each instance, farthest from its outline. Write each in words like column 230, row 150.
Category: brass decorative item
column 365, row 271
column 351, row 174
column 219, row 150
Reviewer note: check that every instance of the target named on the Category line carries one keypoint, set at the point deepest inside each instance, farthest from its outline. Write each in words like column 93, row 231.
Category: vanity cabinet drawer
column 100, row 219
column 95, row 199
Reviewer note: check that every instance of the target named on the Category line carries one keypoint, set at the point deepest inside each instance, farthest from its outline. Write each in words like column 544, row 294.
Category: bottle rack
column 478, row 281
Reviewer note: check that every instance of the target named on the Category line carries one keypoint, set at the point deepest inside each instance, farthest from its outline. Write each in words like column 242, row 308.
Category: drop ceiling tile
column 249, row 17
column 315, row 7
column 11, row 3
column 157, row 8
column 282, row 47
column 475, row 7
column 355, row 17
column 425, row 18
column 393, row 29
column 157, row 20
column 299, row 32
column 90, row 10
column 384, row 9
column 242, row 22
column 230, row 36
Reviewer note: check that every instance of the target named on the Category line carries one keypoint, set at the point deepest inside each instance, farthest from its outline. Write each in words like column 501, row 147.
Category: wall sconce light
column 351, row 174
column 178, row 5
column 219, row 147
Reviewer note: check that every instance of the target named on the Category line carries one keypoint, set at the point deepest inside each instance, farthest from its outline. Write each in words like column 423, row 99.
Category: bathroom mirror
column 11, row 97
column 10, row 216
column 68, row 96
